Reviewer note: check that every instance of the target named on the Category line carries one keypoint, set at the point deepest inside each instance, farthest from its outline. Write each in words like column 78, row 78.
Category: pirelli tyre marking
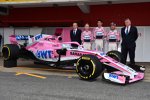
column 88, row 67
column 114, row 54
column 85, row 58
column 93, row 67
column 88, row 59
column 92, row 72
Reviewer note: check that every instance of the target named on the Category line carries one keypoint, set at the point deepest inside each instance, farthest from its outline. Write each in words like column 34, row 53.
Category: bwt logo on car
column 44, row 54
column 113, row 76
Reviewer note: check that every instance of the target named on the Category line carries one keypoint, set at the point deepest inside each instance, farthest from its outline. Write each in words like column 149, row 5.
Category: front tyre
column 89, row 67
column 115, row 55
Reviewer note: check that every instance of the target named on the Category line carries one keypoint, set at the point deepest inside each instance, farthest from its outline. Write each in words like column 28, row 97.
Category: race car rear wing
column 29, row 39
column 16, row 39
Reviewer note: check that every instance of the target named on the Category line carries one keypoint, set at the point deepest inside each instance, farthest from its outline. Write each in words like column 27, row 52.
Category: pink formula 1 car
column 51, row 50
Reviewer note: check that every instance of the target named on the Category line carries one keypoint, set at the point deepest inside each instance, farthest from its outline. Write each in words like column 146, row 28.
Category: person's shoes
column 140, row 68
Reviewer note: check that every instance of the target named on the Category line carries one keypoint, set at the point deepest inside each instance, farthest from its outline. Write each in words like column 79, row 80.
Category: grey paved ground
column 58, row 86
column 62, row 88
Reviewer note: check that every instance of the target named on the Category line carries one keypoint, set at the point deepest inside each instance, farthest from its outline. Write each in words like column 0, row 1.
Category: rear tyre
column 115, row 55
column 10, row 63
column 10, row 54
column 89, row 67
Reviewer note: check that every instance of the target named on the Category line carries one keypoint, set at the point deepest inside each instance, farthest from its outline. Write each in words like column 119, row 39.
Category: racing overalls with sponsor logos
column 99, row 34
column 87, row 38
column 113, row 37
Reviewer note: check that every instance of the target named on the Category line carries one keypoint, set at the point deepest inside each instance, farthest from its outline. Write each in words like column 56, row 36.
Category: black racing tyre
column 10, row 51
column 10, row 63
column 115, row 55
column 89, row 67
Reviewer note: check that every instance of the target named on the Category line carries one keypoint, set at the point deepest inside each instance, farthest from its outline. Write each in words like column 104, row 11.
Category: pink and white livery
column 113, row 37
column 87, row 38
column 99, row 34
column 51, row 50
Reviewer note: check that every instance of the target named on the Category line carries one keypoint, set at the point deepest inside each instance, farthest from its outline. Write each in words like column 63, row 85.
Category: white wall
column 1, row 31
column 146, row 45
column 35, row 30
column 142, row 49
column 7, row 33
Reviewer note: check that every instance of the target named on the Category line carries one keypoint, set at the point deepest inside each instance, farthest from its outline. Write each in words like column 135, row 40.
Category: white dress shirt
column 75, row 30
column 127, row 27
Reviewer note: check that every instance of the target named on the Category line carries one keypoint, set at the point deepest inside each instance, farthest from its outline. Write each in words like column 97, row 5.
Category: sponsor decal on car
column 37, row 37
column 21, row 37
column 113, row 76
column 44, row 54
column 76, row 53
column 102, row 54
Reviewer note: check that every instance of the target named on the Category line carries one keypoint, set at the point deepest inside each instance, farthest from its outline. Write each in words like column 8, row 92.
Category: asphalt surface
column 24, row 87
column 55, row 84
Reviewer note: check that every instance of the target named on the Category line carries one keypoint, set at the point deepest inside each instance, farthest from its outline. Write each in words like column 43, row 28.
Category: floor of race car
column 39, row 82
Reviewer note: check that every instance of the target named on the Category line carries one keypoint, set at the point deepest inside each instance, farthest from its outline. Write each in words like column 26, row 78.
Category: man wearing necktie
column 75, row 34
column 129, row 36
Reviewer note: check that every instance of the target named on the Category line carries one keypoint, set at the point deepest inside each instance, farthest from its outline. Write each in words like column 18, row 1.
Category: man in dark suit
column 129, row 35
column 75, row 34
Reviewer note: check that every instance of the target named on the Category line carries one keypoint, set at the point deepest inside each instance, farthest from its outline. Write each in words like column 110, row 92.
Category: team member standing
column 113, row 37
column 87, row 37
column 75, row 34
column 129, row 35
column 99, row 35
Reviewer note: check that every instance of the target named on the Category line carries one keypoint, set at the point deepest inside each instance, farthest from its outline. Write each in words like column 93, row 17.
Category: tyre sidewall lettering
column 78, row 65
column 113, row 54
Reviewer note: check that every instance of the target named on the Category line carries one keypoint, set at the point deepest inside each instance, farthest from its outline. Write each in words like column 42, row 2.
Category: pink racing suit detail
column 113, row 36
column 99, row 33
column 87, row 38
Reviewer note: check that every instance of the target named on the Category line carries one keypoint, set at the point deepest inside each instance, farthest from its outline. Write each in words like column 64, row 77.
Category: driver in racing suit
column 113, row 37
column 87, row 37
column 99, row 35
